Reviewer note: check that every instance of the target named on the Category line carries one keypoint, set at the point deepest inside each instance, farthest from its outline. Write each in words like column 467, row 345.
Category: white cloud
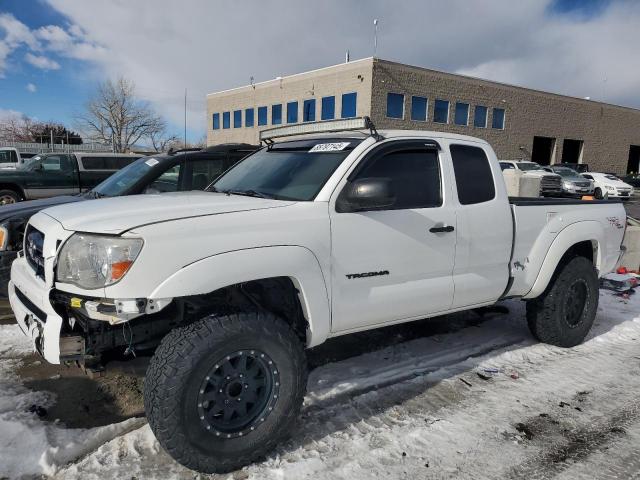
column 166, row 46
column 31, row 88
column 41, row 62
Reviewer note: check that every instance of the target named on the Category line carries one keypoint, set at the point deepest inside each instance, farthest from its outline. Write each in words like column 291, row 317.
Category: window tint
column 419, row 109
column 473, row 174
column 414, row 175
column 395, row 105
column 292, row 112
column 328, row 108
column 237, row 118
column 588, row 176
column 506, row 166
column 262, row 115
column 248, row 117
column 52, row 163
column 441, row 111
column 226, row 119
column 349, row 101
column 309, row 110
column 107, row 163
column 498, row 118
column 480, row 117
column 200, row 173
column 167, row 182
column 216, row 121
column 462, row 114
column 276, row 114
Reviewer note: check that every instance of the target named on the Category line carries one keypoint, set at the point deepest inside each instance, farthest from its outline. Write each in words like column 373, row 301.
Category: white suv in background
column 607, row 184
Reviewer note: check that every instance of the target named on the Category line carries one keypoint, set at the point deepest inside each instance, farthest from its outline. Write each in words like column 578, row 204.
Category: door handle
column 442, row 229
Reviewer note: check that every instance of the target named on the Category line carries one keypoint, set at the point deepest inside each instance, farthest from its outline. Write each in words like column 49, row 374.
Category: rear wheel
column 8, row 197
column 222, row 392
column 564, row 313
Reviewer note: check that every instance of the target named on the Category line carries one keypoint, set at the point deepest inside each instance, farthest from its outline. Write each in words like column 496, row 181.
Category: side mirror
column 366, row 194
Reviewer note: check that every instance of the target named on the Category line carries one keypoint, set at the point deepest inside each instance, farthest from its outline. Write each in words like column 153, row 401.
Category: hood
column 539, row 173
column 119, row 214
column 575, row 179
column 31, row 207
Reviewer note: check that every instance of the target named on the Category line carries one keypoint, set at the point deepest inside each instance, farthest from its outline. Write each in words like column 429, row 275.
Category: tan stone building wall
column 331, row 81
column 606, row 131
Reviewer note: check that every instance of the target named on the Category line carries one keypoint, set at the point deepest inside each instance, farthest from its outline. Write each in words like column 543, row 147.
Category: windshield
column 565, row 172
column 288, row 171
column 121, row 181
column 612, row 177
column 527, row 166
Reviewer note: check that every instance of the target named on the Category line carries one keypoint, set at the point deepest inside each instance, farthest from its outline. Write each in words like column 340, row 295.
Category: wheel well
column 12, row 187
column 277, row 295
column 587, row 249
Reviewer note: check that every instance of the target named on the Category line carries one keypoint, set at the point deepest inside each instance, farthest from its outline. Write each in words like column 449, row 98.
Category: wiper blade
column 247, row 193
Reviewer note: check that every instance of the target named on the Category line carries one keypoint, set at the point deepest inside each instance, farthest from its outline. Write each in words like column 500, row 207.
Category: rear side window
column 414, row 175
column 473, row 174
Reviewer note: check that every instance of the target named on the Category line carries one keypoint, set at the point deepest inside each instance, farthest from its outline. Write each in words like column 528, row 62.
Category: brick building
column 519, row 123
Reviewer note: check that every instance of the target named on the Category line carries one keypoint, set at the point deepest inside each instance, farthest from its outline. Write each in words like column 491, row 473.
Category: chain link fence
column 24, row 147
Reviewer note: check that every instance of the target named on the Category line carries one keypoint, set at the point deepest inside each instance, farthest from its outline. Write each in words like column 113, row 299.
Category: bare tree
column 16, row 128
column 161, row 141
column 115, row 116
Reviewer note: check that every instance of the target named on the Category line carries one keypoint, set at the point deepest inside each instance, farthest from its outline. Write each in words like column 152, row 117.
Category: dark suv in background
column 192, row 169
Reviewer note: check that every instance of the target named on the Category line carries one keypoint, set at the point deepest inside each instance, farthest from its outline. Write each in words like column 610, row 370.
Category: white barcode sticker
column 330, row 147
column 151, row 162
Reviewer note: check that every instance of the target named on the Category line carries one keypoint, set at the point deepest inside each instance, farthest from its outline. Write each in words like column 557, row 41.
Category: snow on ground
column 417, row 409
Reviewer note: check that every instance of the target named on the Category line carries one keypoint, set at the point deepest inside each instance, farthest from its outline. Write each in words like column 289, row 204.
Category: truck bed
column 540, row 224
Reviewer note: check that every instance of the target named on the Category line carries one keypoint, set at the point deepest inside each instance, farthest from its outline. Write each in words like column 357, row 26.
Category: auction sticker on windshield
column 330, row 147
column 151, row 162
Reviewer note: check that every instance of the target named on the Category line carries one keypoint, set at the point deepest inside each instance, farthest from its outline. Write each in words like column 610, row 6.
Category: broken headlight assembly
column 96, row 261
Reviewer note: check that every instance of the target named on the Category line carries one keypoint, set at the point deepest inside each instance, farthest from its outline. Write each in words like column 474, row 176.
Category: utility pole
column 185, row 118
column 375, row 37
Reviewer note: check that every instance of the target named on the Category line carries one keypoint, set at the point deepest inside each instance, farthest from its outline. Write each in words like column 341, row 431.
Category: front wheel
column 564, row 313
column 224, row 391
column 598, row 194
column 8, row 197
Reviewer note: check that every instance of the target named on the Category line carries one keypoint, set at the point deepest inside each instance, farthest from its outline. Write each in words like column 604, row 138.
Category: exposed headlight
column 568, row 185
column 93, row 261
column 609, row 187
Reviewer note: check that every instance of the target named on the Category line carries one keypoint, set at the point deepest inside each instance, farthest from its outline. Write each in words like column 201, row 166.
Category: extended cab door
column 395, row 263
column 485, row 225
column 53, row 175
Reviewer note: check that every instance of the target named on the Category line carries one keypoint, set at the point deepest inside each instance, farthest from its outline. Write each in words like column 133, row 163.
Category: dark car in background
column 176, row 171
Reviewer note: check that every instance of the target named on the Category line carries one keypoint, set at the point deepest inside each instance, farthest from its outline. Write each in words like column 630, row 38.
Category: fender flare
column 589, row 230
column 238, row 266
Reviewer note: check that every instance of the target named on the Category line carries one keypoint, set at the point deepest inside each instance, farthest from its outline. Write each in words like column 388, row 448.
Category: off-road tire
column 180, row 364
column 8, row 196
column 546, row 314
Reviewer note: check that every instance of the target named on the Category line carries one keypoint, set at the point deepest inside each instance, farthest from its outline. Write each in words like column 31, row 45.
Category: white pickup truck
column 308, row 238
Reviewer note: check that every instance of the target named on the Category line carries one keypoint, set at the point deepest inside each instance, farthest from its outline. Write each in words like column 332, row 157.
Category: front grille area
column 33, row 250
column 550, row 184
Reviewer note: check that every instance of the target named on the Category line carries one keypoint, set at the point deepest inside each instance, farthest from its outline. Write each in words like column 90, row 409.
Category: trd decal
column 351, row 276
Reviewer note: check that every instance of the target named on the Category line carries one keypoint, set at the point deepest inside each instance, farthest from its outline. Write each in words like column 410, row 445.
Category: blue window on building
column 226, row 119
column 480, row 117
column 349, row 101
column 498, row 118
column 276, row 114
column 328, row 108
column 262, row 115
column 292, row 112
column 441, row 111
column 248, row 117
column 395, row 105
column 462, row 114
column 419, row 109
column 216, row 121
column 237, row 118
column 309, row 110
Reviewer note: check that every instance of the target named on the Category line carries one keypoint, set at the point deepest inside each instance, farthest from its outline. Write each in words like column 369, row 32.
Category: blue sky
column 54, row 52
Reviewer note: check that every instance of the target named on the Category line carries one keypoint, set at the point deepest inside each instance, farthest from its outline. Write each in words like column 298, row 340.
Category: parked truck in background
column 51, row 174
column 517, row 173
column 306, row 239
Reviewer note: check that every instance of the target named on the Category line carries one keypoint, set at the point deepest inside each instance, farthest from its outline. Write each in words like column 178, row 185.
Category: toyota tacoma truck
column 314, row 236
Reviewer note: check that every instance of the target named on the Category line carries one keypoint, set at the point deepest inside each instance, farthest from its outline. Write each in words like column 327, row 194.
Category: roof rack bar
column 325, row 126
